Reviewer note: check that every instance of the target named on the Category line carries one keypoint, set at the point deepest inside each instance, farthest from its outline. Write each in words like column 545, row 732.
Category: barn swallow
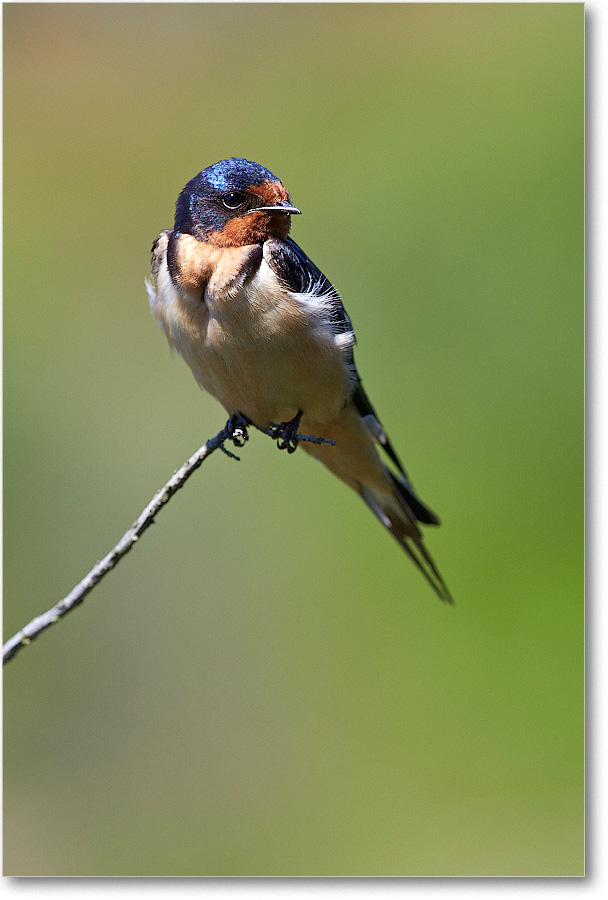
column 265, row 333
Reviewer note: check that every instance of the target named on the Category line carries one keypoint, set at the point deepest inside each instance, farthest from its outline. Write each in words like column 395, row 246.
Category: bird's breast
column 247, row 340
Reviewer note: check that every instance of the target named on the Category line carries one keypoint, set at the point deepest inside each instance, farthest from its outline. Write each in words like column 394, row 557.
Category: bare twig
column 144, row 520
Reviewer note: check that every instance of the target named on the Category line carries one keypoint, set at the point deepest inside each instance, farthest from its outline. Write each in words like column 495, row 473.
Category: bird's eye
column 233, row 200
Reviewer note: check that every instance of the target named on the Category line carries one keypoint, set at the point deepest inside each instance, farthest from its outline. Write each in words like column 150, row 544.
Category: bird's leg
column 236, row 426
column 286, row 434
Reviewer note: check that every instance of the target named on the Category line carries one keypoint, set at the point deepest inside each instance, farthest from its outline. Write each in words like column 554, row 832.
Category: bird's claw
column 237, row 429
column 286, row 434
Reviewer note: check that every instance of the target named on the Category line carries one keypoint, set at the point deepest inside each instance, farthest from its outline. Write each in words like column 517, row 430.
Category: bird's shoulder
column 307, row 283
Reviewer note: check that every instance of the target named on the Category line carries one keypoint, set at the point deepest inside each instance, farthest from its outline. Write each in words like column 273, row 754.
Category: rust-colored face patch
column 253, row 228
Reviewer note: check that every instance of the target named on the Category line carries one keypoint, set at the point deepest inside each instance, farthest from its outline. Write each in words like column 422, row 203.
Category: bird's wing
column 401, row 483
column 300, row 275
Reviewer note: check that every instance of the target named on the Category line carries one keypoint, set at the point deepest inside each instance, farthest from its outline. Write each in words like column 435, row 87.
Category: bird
column 265, row 332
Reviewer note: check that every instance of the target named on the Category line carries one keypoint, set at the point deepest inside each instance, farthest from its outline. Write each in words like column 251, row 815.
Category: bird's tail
column 355, row 459
column 399, row 511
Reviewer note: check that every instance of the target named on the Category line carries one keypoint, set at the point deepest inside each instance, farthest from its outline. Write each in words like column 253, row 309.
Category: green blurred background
column 266, row 686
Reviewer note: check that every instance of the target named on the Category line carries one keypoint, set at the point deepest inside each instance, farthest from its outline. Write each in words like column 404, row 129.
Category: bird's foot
column 286, row 434
column 236, row 426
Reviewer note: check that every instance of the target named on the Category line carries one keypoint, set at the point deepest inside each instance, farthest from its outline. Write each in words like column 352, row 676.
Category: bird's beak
column 281, row 207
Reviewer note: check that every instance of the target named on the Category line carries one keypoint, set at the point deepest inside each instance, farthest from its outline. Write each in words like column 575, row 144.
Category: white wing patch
column 319, row 306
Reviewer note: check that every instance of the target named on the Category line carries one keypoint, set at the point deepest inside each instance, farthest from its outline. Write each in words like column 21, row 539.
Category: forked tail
column 399, row 511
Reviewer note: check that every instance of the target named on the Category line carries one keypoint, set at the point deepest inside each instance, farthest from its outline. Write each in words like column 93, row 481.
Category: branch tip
column 40, row 623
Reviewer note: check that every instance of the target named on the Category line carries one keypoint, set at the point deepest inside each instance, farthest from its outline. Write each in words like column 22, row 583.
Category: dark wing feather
column 298, row 273
column 364, row 406
column 402, row 485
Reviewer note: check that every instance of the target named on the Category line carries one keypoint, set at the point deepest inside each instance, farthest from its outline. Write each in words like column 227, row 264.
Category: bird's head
column 233, row 203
